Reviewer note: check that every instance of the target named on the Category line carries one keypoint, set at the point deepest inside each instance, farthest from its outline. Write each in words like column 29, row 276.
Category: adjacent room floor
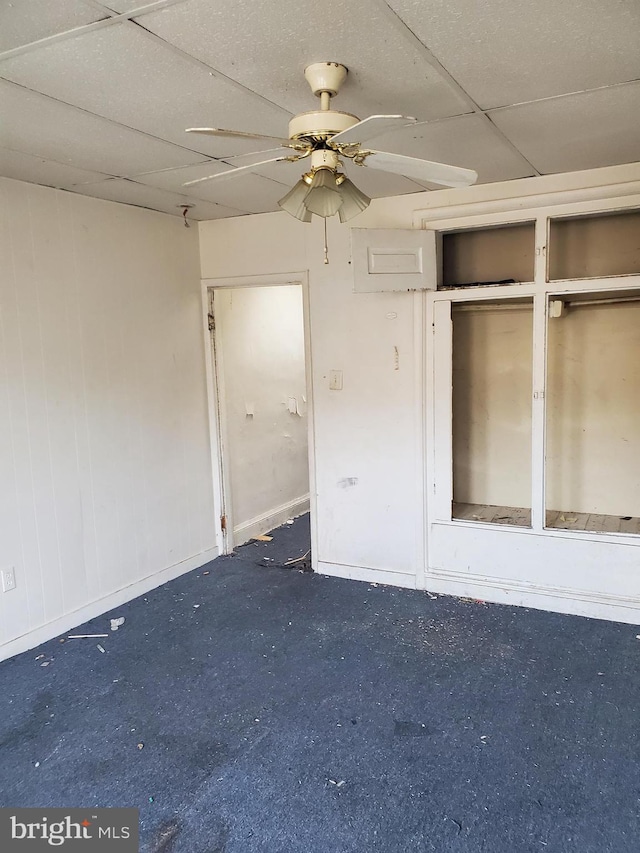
column 248, row 707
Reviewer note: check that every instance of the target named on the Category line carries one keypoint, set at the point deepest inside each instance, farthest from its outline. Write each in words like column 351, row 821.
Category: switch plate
column 335, row 380
column 8, row 579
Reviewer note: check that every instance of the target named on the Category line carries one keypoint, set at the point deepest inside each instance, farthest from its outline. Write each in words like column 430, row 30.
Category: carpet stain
column 165, row 837
column 31, row 728
column 220, row 844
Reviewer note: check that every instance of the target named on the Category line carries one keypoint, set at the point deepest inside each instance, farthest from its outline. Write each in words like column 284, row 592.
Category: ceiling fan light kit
column 354, row 201
column 323, row 197
column 325, row 136
column 293, row 201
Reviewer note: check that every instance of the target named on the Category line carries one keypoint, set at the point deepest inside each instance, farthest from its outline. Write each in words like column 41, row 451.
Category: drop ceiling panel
column 48, row 129
column 593, row 129
column 464, row 141
column 267, row 50
column 35, row 170
column 249, row 193
column 24, row 21
column 284, row 172
column 259, row 194
column 140, row 82
column 378, row 184
column 503, row 52
column 130, row 192
column 122, row 6
column 374, row 183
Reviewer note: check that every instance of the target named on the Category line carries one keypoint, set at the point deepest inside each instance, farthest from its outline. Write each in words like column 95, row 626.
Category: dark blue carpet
column 290, row 713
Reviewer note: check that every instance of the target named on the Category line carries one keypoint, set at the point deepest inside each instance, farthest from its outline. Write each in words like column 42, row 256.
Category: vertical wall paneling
column 105, row 459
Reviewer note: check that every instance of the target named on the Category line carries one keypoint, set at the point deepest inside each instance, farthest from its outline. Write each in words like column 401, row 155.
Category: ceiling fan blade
column 254, row 156
column 238, row 134
column 421, row 170
column 231, row 173
column 372, row 126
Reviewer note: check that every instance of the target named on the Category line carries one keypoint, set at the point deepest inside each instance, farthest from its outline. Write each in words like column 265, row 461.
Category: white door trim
column 215, row 390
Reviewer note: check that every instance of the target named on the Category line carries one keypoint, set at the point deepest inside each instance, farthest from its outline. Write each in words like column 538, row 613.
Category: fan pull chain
column 326, row 247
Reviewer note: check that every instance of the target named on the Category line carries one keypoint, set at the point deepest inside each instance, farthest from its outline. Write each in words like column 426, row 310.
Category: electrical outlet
column 8, row 579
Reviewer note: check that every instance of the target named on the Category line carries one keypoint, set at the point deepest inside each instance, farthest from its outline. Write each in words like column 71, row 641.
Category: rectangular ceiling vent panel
column 390, row 259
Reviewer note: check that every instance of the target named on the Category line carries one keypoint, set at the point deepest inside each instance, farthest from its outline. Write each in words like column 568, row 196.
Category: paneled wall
column 105, row 464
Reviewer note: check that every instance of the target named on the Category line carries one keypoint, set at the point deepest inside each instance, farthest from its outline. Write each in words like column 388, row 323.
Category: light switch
column 335, row 380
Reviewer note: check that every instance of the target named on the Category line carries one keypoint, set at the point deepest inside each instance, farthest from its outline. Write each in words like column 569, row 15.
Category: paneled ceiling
column 95, row 96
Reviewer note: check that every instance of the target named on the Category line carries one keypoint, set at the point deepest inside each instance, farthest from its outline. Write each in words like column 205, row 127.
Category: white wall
column 593, row 434
column 492, row 383
column 105, row 468
column 366, row 436
column 261, row 355
column 593, row 408
column 370, row 489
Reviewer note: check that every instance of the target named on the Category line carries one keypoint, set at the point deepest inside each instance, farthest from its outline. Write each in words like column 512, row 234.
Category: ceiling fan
column 326, row 135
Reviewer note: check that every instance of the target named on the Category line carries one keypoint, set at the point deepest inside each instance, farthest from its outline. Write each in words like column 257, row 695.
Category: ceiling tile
column 466, row 141
column 503, row 52
column 48, row 129
column 586, row 131
column 122, row 6
column 256, row 193
column 141, row 82
column 36, row 170
column 375, row 184
column 131, row 192
column 285, row 172
column 267, row 51
column 250, row 193
column 24, row 21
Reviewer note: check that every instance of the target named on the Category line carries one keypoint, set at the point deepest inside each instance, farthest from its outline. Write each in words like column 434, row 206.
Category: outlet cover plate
column 8, row 579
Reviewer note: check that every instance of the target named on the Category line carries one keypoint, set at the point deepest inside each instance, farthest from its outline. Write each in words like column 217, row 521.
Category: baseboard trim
column 269, row 520
column 574, row 602
column 360, row 573
column 83, row 614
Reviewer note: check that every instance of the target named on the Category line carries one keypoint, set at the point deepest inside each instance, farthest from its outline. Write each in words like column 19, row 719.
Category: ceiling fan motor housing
column 320, row 123
column 325, row 79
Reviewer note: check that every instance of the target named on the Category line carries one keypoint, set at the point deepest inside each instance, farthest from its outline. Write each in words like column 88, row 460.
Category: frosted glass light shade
column 293, row 201
column 323, row 198
column 324, row 192
column 354, row 201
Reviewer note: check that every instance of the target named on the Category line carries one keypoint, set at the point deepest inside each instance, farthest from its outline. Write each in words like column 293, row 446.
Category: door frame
column 215, row 395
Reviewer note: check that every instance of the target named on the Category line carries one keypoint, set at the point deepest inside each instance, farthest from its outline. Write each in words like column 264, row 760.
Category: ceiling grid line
column 564, row 95
column 112, row 122
column 488, row 82
column 209, row 68
column 435, row 63
column 111, row 19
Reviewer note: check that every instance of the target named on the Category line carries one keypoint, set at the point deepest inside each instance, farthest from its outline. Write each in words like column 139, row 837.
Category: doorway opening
column 261, row 404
